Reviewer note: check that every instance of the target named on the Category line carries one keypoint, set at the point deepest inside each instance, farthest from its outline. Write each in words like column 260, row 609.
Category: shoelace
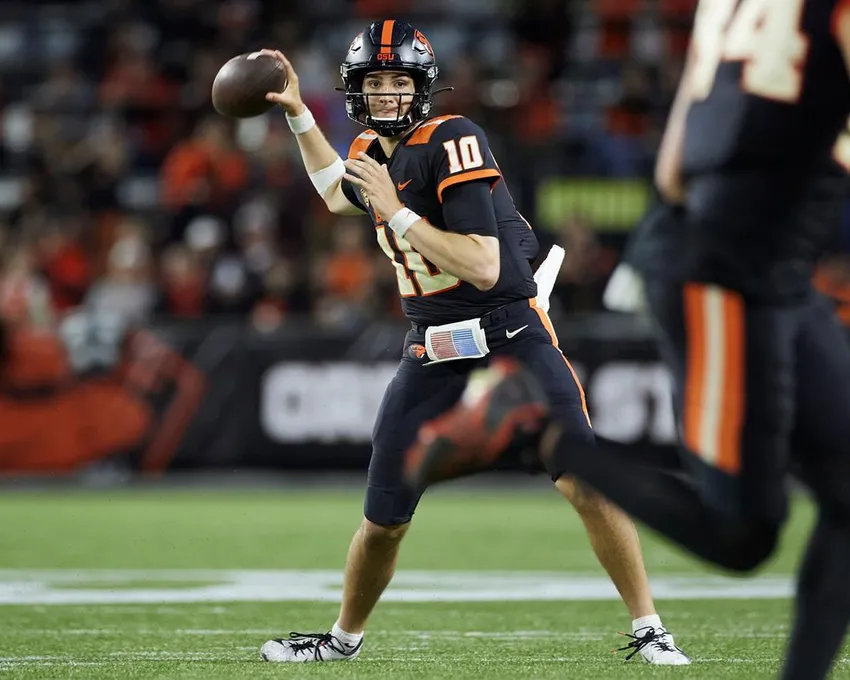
column 656, row 638
column 316, row 641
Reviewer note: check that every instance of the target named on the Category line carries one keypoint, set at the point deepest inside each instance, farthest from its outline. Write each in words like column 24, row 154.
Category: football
column 240, row 87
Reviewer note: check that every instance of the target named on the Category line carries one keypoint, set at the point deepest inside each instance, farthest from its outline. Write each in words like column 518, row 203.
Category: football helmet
column 389, row 46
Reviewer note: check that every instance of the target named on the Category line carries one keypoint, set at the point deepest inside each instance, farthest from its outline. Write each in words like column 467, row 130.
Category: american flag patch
column 454, row 344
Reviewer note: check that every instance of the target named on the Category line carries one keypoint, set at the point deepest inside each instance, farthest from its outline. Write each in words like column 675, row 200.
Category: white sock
column 348, row 639
column 645, row 621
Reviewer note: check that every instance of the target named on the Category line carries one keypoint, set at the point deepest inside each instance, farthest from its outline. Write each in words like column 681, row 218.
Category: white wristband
column 324, row 178
column 301, row 123
column 403, row 220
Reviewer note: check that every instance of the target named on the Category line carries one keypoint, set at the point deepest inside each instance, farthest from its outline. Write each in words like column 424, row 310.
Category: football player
column 448, row 225
column 761, row 366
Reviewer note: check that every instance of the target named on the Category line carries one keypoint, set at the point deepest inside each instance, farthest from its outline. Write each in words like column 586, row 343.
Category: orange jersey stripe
column 734, row 383
column 387, row 36
column 547, row 324
column 466, row 177
column 715, row 385
column 361, row 143
column 422, row 134
column 694, row 365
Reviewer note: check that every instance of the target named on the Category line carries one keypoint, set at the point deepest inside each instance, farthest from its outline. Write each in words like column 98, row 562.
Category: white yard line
column 111, row 587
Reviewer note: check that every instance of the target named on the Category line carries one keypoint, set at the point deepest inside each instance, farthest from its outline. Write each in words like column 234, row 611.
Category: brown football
column 240, row 87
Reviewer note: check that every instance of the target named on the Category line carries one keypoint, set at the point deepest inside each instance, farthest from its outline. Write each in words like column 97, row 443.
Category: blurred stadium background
column 176, row 296
column 179, row 309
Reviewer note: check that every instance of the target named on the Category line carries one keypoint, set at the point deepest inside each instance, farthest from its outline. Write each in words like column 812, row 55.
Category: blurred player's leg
column 467, row 437
column 733, row 368
column 822, row 457
column 823, row 601
column 666, row 502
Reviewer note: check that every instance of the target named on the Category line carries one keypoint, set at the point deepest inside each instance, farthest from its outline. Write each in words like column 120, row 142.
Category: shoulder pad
column 361, row 143
column 446, row 124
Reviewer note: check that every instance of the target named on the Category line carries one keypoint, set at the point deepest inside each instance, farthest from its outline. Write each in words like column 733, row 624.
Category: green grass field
column 491, row 585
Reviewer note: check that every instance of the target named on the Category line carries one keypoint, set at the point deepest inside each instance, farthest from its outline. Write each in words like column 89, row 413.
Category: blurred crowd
column 123, row 191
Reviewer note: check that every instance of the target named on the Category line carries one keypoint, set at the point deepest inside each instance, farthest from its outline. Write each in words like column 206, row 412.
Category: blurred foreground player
column 461, row 253
column 761, row 366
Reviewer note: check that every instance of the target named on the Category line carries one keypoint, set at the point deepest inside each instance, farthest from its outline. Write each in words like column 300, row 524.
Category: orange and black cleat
column 500, row 404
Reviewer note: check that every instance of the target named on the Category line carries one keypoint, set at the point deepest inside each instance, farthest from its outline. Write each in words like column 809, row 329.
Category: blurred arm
column 841, row 29
column 668, row 168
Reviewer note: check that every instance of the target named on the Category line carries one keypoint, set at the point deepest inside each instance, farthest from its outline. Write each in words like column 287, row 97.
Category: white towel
column 546, row 275
column 625, row 291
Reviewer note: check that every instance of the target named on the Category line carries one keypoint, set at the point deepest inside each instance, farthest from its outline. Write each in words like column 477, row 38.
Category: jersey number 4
column 763, row 34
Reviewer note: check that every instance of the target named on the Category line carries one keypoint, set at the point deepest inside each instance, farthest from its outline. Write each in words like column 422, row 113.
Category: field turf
column 491, row 585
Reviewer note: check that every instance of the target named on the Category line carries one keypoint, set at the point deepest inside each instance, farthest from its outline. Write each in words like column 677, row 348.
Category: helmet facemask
column 358, row 110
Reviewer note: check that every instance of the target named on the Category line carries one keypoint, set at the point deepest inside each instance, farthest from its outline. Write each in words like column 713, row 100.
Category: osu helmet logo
column 416, row 351
column 421, row 38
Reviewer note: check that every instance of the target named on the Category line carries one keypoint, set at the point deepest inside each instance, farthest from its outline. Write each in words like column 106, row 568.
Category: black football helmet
column 389, row 46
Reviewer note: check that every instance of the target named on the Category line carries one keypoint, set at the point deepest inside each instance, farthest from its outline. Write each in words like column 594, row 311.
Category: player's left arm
column 469, row 249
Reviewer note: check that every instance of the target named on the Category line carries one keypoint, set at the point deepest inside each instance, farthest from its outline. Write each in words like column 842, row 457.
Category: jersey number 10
column 463, row 154
column 763, row 34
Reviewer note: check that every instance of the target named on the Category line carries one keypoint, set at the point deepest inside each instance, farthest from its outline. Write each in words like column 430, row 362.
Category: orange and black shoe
column 501, row 406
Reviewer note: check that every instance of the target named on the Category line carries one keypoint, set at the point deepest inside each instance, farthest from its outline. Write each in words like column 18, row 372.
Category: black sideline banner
column 221, row 396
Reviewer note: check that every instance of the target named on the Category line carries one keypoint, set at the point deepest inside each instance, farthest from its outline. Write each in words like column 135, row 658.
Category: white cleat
column 656, row 646
column 305, row 647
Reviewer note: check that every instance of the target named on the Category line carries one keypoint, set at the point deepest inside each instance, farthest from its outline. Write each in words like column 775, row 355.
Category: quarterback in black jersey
column 445, row 219
column 749, row 196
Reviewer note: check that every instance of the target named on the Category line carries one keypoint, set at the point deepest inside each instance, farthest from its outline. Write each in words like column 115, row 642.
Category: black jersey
column 770, row 94
column 438, row 154
column 769, row 87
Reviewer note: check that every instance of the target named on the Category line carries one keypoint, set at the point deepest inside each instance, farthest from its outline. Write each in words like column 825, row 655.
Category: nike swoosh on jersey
column 519, row 330
column 402, row 185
